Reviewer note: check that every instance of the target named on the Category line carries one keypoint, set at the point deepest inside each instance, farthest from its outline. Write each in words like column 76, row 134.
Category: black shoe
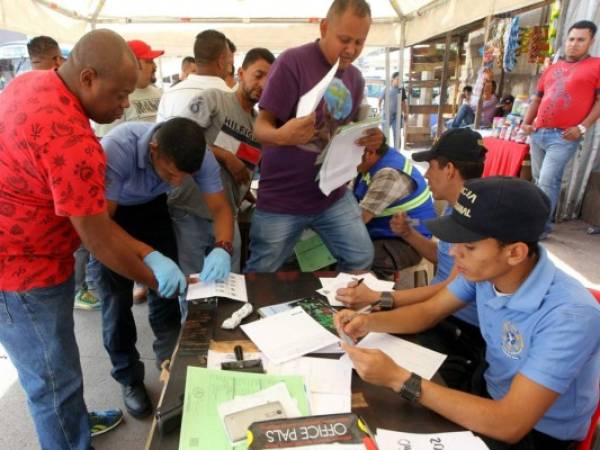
column 136, row 400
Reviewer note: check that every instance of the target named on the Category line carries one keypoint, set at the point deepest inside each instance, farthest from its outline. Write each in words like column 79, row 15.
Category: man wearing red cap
column 143, row 102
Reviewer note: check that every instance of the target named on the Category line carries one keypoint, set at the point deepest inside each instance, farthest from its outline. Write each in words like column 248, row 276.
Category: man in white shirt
column 191, row 220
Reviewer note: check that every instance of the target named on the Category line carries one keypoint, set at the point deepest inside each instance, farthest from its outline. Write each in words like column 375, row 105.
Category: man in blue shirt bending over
column 541, row 326
column 144, row 162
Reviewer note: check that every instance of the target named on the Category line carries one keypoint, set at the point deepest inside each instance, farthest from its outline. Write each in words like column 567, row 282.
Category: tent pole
column 399, row 114
column 388, row 85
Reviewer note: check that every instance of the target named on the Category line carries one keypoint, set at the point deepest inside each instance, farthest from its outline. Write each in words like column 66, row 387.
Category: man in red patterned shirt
column 52, row 171
column 567, row 103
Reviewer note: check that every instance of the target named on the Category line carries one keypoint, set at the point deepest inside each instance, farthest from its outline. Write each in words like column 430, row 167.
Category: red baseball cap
column 141, row 50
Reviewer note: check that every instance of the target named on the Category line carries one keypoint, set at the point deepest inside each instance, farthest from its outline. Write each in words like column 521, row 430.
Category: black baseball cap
column 504, row 208
column 456, row 144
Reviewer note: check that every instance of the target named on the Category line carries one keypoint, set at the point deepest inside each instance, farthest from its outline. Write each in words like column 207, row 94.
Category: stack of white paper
column 328, row 382
column 396, row 440
column 343, row 155
column 331, row 285
column 309, row 101
column 288, row 335
column 412, row 357
column 234, row 287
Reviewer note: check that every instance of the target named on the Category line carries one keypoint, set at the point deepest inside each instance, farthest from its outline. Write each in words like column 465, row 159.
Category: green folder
column 206, row 389
column 312, row 253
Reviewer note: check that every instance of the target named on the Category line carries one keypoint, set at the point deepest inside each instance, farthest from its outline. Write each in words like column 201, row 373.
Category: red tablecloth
column 503, row 157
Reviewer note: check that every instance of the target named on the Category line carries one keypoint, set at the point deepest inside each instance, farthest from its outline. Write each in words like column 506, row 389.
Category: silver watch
column 582, row 129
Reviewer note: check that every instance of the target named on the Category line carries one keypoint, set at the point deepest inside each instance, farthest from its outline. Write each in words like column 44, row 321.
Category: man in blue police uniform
column 458, row 155
column 387, row 184
column 541, row 327
column 144, row 162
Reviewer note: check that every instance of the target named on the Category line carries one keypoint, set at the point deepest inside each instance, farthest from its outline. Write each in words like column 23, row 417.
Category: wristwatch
column 411, row 389
column 582, row 129
column 385, row 302
column 225, row 245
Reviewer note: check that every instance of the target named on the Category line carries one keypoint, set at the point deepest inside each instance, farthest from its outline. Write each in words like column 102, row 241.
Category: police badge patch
column 512, row 341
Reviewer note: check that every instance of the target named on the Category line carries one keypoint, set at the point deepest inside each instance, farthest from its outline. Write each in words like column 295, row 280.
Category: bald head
column 101, row 71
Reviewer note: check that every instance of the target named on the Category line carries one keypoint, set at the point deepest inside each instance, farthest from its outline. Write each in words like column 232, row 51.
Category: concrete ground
column 575, row 251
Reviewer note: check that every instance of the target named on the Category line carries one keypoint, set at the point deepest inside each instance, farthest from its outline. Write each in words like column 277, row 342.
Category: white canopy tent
column 249, row 23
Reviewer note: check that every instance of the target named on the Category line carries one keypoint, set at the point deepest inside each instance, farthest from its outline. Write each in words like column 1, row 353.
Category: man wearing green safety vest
column 387, row 184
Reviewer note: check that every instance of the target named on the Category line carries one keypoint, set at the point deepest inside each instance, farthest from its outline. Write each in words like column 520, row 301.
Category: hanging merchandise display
column 553, row 28
column 538, row 45
column 511, row 40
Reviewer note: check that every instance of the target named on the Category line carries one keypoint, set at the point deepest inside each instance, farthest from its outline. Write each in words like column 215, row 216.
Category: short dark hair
column 468, row 89
column 255, row 54
column 40, row 46
column 209, row 46
column 231, row 45
column 360, row 8
column 182, row 141
column 584, row 24
column 467, row 169
column 395, row 75
column 187, row 60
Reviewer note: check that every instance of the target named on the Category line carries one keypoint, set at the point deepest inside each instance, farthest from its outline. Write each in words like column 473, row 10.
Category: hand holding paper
column 299, row 130
column 371, row 138
column 376, row 367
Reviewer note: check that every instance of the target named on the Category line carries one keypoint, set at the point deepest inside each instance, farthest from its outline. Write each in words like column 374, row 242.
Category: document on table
column 343, row 155
column 310, row 100
column 328, row 382
column 412, row 357
column 396, row 440
column 288, row 335
column 206, row 389
column 234, row 287
column 331, row 285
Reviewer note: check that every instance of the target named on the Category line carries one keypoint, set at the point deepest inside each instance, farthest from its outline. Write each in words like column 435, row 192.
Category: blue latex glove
column 171, row 280
column 216, row 265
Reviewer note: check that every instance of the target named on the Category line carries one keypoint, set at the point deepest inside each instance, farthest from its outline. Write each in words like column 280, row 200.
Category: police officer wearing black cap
column 541, row 326
column 458, row 155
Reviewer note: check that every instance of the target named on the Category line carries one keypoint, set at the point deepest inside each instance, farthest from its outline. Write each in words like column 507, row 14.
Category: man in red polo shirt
column 52, row 190
column 567, row 103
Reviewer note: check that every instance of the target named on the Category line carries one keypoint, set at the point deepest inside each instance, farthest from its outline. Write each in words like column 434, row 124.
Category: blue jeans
column 273, row 236
column 37, row 330
column 195, row 238
column 550, row 153
column 465, row 116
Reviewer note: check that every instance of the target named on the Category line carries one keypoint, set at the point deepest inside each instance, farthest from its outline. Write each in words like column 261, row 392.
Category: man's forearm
column 404, row 320
column 120, row 252
column 427, row 248
column 266, row 133
column 532, row 111
column 593, row 115
column 223, row 223
column 417, row 295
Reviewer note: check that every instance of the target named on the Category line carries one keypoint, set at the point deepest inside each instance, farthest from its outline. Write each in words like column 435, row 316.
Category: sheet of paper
column 329, row 403
column 288, row 335
column 234, row 287
column 412, row 357
column 322, row 375
column 309, row 101
column 331, row 285
column 396, row 440
column 342, row 156
column 206, row 389
column 215, row 359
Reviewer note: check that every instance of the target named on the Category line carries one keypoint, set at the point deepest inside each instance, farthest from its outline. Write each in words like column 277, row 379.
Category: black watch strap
column 411, row 389
column 386, row 301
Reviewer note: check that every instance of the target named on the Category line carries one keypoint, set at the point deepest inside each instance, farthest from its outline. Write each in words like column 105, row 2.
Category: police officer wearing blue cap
column 541, row 326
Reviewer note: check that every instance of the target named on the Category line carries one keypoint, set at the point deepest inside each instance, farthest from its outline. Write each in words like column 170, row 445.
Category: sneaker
column 139, row 294
column 84, row 299
column 103, row 421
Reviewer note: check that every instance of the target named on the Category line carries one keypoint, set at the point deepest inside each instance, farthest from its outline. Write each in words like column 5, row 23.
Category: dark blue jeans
column 37, row 331
column 465, row 116
column 150, row 223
